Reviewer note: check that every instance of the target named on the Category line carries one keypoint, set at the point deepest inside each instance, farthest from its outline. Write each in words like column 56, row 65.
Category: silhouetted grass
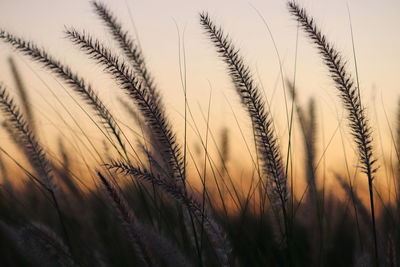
column 142, row 207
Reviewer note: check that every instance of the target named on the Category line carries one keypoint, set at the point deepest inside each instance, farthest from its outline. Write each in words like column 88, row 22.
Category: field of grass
column 144, row 196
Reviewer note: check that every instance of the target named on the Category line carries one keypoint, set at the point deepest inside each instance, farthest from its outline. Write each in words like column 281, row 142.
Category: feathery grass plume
column 360, row 207
column 266, row 142
column 129, row 221
column 224, row 150
column 65, row 171
column 24, row 136
column 311, row 142
column 145, row 241
column 362, row 259
column 312, row 125
column 131, row 111
column 131, row 50
column 307, row 121
column 5, row 179
column 100, row 262
column 391, row 255
column 168, row 252
column 347, row 89
column 148, row 103
column 149, row 143
column 33, row 150
column 43, row 243
column 308, row 129
column 14, row 137
column 33, row 181
column 151, row 109
column 349, row 94
column 223, row 162
column 142, row 237
column 69, row 77
column 215, row 233
column 23, row 94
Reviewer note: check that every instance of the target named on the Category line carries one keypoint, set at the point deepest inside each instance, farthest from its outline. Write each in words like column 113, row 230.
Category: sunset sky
column 158, row 23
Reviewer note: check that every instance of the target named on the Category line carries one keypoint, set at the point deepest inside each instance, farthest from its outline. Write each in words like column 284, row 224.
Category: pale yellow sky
column 375, row 25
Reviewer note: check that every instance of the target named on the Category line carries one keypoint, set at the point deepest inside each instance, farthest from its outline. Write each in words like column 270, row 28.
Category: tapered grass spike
column 22, row 133
column 351, row 99
column 23, row 94
column 131, row 50
column 151, row 109
column 72, row 79
column 265, row 136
